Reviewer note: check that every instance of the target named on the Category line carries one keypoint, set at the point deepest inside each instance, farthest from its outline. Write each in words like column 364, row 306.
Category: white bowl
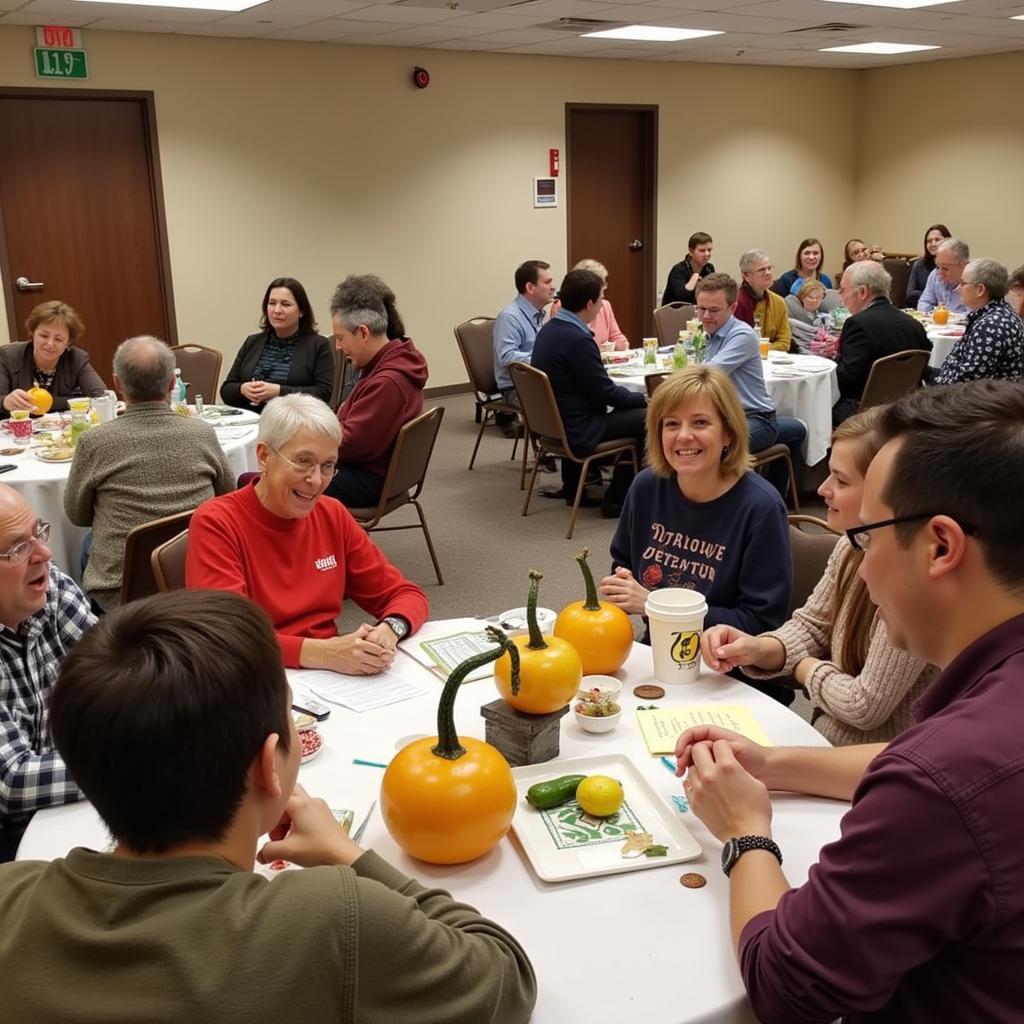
column 608, row 686
column 590, row 724
column 513, row 622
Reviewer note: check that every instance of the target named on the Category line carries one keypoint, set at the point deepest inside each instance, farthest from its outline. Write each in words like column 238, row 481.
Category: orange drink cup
column 765, row 346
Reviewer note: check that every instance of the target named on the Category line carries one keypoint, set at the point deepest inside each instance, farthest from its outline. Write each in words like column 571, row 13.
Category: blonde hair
column 55, row 310
column 685, row 387
column 592, row 265
column 812, row 284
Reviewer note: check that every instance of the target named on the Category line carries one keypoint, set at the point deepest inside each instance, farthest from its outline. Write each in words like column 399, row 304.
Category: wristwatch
column 737, row 846
column 398, row 625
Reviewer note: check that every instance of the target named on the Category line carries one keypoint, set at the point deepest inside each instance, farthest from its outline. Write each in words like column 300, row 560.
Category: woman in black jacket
column 285, row 357
column 925, row 264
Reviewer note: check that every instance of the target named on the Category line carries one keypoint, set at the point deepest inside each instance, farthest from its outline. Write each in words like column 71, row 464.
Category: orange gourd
column 549, row 668
column 601, row 632
column 447, row 800
column 940, row 315
column 42, row 399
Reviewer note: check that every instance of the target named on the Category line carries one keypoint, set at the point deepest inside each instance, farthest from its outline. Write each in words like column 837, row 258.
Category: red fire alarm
column 420, row 78
column 553, row 162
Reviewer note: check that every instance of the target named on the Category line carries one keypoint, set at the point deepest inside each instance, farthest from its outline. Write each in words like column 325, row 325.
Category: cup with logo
column 676, row 617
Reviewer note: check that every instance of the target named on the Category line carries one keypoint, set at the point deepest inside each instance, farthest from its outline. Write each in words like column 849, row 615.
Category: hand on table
column 752, row 756
column 307, row 834
column 623, row 590
column 383, row 635
column 18, row 399
column 723, row 794
column 357, row 653
column 259, row 391
column 726, row 647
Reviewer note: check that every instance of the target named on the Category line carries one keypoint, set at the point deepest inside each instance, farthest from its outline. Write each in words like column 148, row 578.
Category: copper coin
column 11, row 451
column 647, row 692
column 693, row 881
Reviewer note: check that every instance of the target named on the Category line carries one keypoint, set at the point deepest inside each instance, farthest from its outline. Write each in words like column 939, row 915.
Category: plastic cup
column 766, row 346
column 21, row 428
column 676, row 619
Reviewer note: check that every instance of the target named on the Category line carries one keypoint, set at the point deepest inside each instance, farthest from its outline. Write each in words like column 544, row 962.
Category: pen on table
column 376, row 764
column 669, row 764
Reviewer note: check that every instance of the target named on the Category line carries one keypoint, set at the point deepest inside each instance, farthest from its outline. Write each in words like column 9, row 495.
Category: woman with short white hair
column 605, row 327
column 298, row 553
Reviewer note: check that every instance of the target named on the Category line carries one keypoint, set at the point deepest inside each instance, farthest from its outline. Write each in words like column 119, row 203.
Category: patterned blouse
column 992, row 347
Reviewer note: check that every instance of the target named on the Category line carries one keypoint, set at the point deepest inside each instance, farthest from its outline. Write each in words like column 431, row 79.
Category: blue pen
column 369, row 764
column 669, row 764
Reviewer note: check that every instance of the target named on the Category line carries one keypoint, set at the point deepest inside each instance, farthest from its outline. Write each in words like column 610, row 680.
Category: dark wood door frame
column 650, row 251
column 145, row 98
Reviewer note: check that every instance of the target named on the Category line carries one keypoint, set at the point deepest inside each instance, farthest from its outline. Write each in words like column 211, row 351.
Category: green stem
column 591, row 604
column 448, row 745
column 537, row 642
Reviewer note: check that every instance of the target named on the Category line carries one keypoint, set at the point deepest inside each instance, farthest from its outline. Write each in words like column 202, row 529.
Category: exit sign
column 52, row 63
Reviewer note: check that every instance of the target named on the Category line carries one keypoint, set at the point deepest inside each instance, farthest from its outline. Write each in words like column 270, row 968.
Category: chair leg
column 430, row 543
column 479, row 435
column 533, row 480
column 527, row 445
column 579, row 494
column 792, row 486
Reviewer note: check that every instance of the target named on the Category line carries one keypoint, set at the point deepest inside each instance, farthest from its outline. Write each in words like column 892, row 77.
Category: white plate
column 554, row 860
column 216, row 414
column 43, row 457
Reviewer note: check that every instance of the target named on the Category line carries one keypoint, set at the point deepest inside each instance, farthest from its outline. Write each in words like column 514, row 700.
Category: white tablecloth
column 805, row 388
column 43, row 483
column 663, row 951
column 943, row 339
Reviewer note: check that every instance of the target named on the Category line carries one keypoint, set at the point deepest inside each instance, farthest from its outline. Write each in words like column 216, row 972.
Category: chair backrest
column 671, row 319
column 537, row 400
column 475, row 338
column 344, row 377
column 652, row 380
column 168, row 563
column 200, row 367
column 893, row 376
column 810, row 550
column 899, row 271
column 138, row 579
column 411, row 455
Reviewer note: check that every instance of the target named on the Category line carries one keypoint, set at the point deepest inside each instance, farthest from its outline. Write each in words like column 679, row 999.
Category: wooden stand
column 522, row 738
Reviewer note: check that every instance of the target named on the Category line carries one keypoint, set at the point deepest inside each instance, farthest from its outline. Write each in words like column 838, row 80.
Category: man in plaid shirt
column 42, row 616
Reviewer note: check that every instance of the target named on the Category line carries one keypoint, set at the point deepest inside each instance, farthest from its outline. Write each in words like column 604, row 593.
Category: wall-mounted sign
column 545, row 192
column 59, row 53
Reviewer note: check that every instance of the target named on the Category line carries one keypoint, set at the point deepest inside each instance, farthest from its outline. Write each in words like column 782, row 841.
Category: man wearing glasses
column 43, row 614
column 943, row 285
column 916, row 914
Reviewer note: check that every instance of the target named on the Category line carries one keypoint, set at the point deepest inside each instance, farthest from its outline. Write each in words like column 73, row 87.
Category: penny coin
column 648, row 692
column 693, row 881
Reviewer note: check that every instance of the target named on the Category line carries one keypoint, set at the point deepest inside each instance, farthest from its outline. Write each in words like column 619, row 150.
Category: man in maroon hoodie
column 388, row 393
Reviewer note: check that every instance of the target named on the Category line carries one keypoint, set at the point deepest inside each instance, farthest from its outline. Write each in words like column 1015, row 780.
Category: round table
column 43, row 484
column 943, row 339
column 803, row 386
column 659, row 951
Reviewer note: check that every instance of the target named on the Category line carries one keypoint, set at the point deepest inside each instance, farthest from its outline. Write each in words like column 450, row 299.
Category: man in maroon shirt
column 916, row 914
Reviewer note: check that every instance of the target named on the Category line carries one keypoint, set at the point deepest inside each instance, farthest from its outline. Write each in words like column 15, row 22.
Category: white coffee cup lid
column 675, row 601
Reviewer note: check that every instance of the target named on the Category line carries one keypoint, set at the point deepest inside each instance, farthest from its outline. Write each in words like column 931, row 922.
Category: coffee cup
column 105, row 406
column 676, row 618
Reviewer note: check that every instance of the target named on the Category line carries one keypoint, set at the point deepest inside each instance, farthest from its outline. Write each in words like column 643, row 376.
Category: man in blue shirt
column 516, row 327
column 943, row 285
column 733, row 347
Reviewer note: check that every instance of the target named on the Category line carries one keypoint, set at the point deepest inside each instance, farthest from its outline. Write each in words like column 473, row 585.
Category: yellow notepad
column 661, row 726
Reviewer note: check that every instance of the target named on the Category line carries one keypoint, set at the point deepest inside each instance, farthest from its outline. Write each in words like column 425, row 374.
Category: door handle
column 23, row 284
column 636, row 245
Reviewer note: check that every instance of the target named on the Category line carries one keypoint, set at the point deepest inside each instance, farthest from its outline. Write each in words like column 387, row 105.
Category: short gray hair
column 871, row 275
column 594, row 267
column 145, row 367
column 358, row 300
column 749, row 258
column 286, row 415
column 960, row 250
column 990, row 273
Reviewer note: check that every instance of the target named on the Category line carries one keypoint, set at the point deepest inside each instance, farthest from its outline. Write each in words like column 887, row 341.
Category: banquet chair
column 652, row 380
column 773, row 453
column 403, row 484
column 475, row 338
column 899, row 271
column 810, row 550
column 544, row 424
column 671, row 319
column 893, row 376
column 200, row 369
column 345, row 375
column 138, row 579
column 168, row 563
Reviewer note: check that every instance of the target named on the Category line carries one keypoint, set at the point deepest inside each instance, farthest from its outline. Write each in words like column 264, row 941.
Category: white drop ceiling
column 786, row 33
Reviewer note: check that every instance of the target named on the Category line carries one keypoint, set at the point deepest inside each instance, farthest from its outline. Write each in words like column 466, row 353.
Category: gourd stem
column 591, row 604
column 448, row 745
column 537, row 642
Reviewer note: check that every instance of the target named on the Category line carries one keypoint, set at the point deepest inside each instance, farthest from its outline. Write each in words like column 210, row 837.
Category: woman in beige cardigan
column 835, row 646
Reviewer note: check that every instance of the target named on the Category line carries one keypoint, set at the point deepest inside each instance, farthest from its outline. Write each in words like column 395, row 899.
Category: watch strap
column 739, row 845
column 399, row 625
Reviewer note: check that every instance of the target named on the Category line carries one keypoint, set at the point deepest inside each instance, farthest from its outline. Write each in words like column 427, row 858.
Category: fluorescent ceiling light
column 651, row 33
column 1017, row 17
column 903, row 5
column 883, row 49
column 231, row 6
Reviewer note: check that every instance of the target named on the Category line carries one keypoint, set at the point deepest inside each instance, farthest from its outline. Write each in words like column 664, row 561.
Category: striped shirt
column 275, row 359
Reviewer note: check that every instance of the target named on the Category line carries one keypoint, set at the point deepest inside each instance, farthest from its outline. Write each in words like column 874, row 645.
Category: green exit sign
column 60, row 63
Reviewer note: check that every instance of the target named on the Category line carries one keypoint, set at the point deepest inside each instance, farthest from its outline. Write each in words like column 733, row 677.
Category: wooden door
column 611, row 195
column 81, row 214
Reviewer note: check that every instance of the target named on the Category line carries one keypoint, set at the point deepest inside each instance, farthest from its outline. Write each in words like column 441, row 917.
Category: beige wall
column 318, row 161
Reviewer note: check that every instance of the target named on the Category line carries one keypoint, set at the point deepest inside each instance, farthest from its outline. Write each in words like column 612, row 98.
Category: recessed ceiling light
column 231, row 6
column 884, row 49
column 651, row 33
column 903, row 5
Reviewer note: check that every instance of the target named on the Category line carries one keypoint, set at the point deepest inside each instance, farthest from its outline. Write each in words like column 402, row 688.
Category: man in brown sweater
column 173, row 715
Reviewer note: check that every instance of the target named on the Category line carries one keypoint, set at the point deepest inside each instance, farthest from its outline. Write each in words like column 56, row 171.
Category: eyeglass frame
column 324, row 475
column 13, row 557
column 854, row 532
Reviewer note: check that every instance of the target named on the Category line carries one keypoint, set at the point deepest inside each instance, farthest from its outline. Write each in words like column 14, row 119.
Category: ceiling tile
column 408, row 16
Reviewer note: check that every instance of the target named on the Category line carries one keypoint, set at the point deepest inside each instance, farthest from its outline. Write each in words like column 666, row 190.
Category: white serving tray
column 557, row 849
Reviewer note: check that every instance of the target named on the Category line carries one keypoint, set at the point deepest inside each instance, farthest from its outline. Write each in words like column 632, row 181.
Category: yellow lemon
column 42, row 399
column 599, row 795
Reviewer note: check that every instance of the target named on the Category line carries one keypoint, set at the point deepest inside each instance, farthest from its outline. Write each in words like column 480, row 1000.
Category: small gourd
column 447, row 800
column 549, row 667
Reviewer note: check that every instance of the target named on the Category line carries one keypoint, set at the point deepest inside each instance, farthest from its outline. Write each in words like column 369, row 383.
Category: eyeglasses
column 18, row 555
column 710, row 311
column 305, row 465
column 860, row 536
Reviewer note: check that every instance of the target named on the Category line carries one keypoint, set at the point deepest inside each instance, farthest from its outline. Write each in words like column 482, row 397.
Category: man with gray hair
column 943, row 285
column 758, row 305
column 992, row 347
column 876, row 329
column 148, row 464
